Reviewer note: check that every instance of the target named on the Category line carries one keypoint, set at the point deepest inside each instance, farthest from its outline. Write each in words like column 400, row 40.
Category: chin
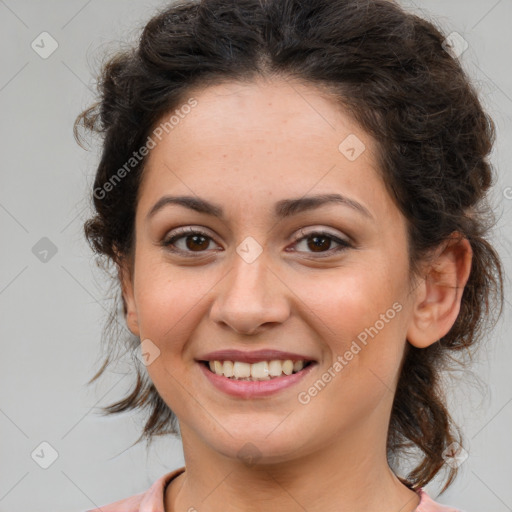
column 257, row 445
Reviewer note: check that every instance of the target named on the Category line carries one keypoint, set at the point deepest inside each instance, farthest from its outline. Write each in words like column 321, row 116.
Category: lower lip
column 250, row 389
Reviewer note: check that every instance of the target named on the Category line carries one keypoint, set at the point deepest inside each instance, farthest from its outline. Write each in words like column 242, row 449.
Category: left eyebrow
column 288, row 207
column 283, row 208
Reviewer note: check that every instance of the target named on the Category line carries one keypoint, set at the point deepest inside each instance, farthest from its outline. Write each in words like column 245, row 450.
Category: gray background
column 53, row 312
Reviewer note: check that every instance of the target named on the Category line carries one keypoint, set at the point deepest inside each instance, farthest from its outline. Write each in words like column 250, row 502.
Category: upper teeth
column 262, row 370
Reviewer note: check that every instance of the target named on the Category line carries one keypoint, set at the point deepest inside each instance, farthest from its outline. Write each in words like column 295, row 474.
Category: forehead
column 255, row 111
column 259, row 140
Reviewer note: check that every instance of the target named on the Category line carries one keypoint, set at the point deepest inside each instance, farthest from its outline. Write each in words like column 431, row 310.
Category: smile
column 245, row 385
column 259, row 371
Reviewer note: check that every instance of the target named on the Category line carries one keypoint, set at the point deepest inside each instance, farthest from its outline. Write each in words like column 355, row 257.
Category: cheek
column 352, row 298
column 360, row 317
column 168, row 301
column 360, row 313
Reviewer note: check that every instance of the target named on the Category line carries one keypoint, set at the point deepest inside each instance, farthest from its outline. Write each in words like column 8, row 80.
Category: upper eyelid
column 301, row 234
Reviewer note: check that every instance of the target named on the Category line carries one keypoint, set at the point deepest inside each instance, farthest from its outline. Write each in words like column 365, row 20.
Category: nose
column 251, row 297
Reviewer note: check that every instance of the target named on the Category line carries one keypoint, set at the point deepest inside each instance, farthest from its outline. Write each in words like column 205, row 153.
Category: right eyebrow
column 283, row 208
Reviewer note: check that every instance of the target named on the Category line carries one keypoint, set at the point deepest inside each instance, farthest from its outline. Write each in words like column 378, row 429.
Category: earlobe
column 439, row 295
column 126, row 281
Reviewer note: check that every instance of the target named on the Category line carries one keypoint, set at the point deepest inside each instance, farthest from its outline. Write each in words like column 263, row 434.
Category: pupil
column 316, row 245
column 195, row 238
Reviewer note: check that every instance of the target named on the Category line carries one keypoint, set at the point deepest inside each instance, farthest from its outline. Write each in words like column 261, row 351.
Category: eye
column 317, row 241
column 195, row 240
column 198, row 241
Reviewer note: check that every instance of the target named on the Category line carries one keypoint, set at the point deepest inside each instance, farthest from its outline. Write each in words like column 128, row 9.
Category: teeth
column 288, row 367
column 227, row 369
column 241, row 370
column 275, row 368
column 262, row 370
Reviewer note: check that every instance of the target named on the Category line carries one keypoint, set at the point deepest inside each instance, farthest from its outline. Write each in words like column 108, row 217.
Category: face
column 329, row 281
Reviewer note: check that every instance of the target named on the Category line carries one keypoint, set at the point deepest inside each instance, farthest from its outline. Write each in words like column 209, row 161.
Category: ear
column 439, row 293
column 126, row 279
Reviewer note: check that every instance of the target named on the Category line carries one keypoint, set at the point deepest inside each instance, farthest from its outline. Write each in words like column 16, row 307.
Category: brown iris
column 195, row 245
column 316, row 245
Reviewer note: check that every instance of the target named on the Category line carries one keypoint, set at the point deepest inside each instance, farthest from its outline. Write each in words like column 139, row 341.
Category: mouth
column 257, row 371
column 256, row 380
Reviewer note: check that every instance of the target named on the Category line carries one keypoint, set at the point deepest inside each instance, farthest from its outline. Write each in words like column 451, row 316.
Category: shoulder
column 427, row 504
column 131, row 504
column 152, row 499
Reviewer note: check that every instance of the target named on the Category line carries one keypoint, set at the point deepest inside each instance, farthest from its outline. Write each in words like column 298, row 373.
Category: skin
column 245, row 147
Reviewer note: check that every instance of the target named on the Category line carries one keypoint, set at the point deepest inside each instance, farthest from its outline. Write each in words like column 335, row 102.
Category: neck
column 336, row 478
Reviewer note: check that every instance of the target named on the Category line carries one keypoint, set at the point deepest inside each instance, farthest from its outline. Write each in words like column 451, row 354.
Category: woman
column 292, row 195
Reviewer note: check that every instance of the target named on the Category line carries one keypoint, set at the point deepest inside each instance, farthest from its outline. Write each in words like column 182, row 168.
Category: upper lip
column 252, row 356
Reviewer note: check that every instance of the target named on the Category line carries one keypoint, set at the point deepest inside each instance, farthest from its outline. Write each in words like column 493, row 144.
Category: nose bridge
column 250, row 295
column 249, row 276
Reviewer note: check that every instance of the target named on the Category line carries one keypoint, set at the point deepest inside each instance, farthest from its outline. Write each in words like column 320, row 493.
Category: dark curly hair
column 390, row 70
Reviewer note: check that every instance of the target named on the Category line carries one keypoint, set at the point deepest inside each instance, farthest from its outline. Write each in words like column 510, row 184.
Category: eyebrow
column 283, row 208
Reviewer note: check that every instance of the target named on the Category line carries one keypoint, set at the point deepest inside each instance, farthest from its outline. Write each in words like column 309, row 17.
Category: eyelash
column 186, row 232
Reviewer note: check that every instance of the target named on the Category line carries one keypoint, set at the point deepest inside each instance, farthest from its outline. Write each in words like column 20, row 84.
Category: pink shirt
column 152, row 500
